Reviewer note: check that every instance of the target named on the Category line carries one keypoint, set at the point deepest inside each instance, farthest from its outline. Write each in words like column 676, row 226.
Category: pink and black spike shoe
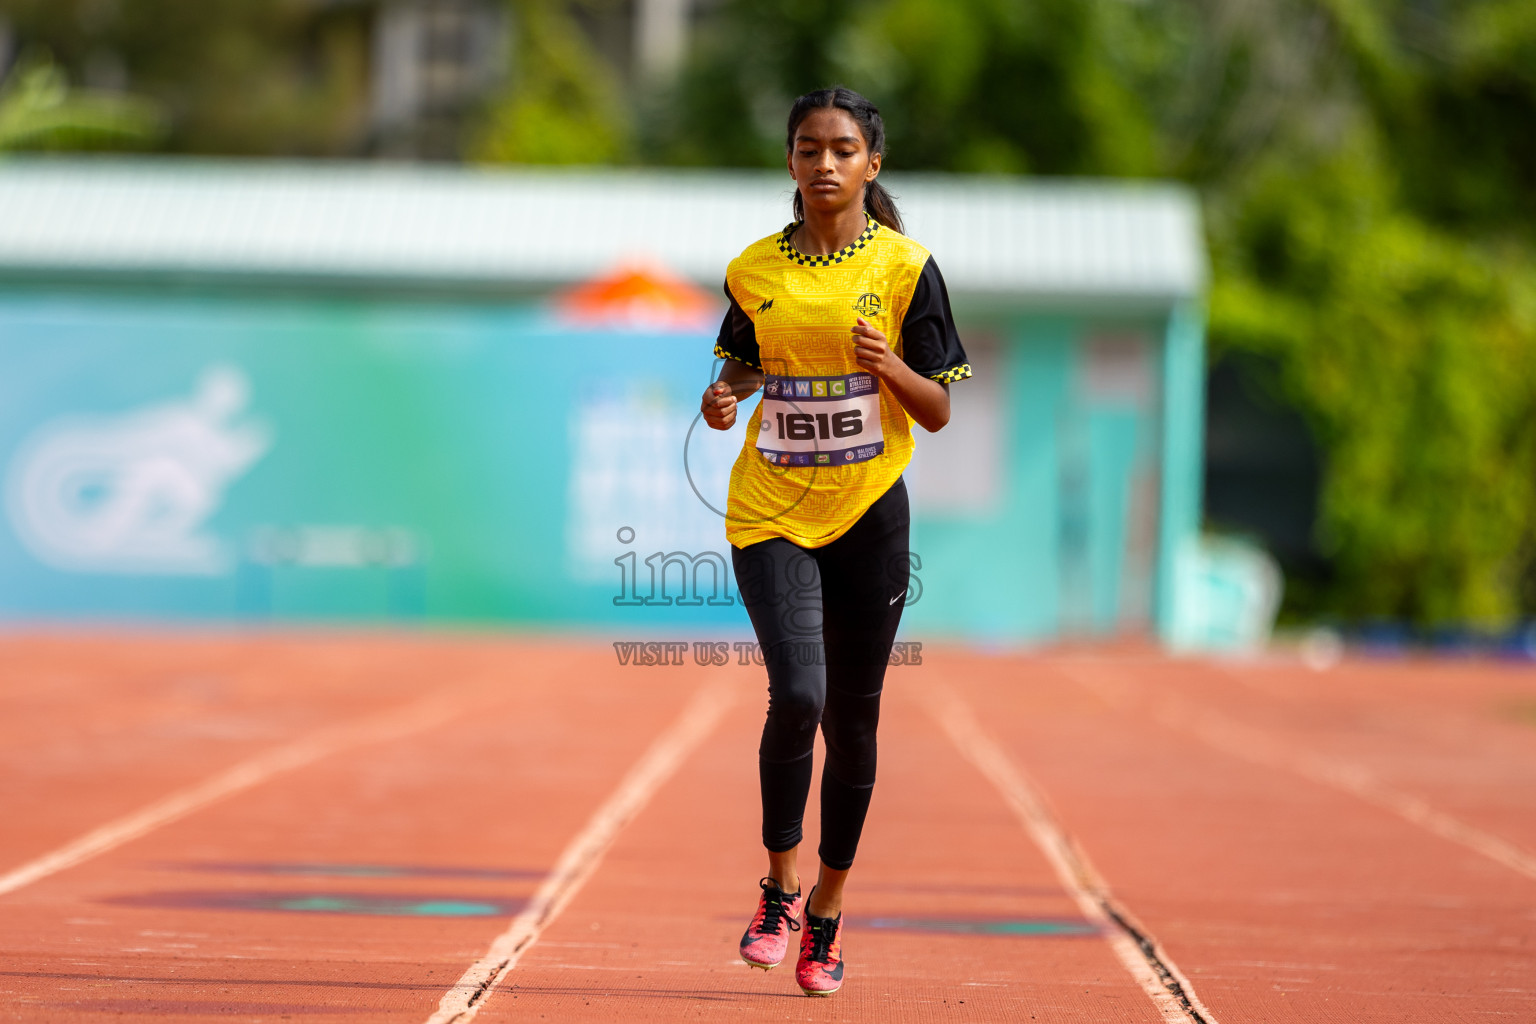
column 820, row 968
column 766, row 939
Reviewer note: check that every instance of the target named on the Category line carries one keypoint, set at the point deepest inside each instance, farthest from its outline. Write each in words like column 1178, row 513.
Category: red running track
column 335, row 828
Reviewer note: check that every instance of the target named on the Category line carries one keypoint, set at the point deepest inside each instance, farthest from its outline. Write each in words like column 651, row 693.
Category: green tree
column 967, row 85
column 38, row 110
column 1409, row 351
column 256, row 77
column 1358, row 247
column 563, row 105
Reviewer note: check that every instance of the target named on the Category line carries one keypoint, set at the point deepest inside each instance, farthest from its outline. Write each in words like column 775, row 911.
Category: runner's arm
column 926, row 400
column 737, row 380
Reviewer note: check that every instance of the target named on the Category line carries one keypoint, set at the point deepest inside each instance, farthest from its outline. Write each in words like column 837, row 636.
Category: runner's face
column 830, row 160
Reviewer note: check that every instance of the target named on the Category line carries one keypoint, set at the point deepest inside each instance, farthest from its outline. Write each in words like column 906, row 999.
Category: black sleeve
column 929, row 342
column 738, row 335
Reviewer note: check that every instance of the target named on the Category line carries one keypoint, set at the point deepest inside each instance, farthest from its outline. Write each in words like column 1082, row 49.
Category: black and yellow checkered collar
column 830, row 258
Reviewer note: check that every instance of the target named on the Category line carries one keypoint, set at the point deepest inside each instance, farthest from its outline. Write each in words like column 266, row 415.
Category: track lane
column 1457, row 737
column 583, row 855
column 1158, row 976
column 273, row 898
column 97, row 727
column 653, row 935
column 1283, row 899
column 1275, row 749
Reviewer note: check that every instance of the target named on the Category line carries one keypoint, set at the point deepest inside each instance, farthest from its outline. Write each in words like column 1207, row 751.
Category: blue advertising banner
column 349, row 459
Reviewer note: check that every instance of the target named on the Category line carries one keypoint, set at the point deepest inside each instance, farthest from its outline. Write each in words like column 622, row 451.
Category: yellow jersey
column 790, row 316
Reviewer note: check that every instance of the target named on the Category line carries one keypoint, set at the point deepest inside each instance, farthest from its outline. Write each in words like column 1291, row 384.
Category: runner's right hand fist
column 719, row 406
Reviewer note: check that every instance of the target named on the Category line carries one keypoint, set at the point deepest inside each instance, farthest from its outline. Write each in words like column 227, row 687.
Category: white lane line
column 1259, row 747
column 1146, row 962
column 1253, row 745
column 584, row 853
column 387, row 725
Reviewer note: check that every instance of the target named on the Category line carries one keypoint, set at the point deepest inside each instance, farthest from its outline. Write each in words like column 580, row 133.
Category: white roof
column 539, row 227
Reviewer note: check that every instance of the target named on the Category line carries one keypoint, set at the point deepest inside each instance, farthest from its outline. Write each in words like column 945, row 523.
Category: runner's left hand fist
column 871, row 350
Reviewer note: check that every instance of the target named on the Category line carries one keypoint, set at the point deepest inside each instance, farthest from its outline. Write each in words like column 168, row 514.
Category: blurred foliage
column 1368, row 169
column 1409, row 350
column 38, row 110
column 1367, row 245
column 247, row 77
column 564, row 104
column 965, row 85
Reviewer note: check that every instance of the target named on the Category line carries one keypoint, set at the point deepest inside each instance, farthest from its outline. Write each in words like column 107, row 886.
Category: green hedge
column 1412, row 354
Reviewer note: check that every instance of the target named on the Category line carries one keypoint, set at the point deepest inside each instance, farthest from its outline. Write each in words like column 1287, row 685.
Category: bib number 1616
column 820, row 421
column 805, row 426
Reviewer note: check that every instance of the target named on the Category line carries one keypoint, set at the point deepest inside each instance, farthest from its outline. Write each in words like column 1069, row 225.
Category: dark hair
column 878, row 202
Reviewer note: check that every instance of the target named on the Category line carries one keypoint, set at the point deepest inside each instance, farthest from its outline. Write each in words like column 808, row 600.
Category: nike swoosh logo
column 893, row 600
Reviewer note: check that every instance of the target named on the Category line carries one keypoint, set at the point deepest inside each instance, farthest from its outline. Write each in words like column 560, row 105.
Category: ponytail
column 878, row 201
column 881, row 205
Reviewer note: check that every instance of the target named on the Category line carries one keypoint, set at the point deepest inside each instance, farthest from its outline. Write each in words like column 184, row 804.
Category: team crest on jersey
column 868, row 304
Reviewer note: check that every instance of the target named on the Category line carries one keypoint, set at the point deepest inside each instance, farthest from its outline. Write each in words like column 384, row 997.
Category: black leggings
column 825, row 620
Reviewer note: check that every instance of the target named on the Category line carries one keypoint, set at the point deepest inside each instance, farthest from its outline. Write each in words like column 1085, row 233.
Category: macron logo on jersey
column 766, row 306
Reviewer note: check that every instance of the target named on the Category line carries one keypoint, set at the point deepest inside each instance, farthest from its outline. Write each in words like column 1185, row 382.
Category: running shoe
column 820, row 968
column 766, row 939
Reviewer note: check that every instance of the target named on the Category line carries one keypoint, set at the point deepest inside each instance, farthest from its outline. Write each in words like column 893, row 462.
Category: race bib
column 820, row 421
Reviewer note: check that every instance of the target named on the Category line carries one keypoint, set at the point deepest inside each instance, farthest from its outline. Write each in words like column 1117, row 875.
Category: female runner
column 845, row 325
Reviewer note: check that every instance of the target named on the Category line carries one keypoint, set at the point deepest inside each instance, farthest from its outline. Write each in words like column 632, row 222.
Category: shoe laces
column 774, row 911
column 822, row 932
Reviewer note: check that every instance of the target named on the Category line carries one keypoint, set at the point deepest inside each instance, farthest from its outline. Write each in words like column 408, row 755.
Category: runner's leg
column 781, row 587
column 864, row 576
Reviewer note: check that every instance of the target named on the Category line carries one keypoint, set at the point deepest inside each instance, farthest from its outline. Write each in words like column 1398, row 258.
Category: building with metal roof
column 311, row 324
column 433, row 225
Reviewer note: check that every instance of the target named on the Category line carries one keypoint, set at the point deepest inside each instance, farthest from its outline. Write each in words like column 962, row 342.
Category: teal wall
column 231, row 456
column 1183, row 451
column 997, row 575
column 1068, row 547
